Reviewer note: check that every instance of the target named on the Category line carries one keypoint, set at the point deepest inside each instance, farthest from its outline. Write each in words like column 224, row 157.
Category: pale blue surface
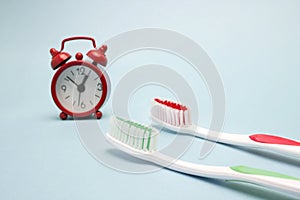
column 254, row 44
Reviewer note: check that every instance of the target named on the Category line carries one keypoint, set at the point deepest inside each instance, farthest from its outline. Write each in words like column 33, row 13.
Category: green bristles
column 134, row 134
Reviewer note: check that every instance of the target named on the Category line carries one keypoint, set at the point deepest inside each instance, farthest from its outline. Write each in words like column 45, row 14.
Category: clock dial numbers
column 99, row 86
column 80, row 70
column 79, row 89
column 63, row 88
column 82, row 105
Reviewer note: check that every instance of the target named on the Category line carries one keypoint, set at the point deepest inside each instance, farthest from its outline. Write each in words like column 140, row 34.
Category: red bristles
column 171, row 104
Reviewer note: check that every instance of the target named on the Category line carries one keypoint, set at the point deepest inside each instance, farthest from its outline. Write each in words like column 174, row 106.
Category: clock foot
column 98, row 114
column 63, row 116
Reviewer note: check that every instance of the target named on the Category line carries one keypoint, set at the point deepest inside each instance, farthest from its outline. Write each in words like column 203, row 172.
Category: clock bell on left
column 79, row 87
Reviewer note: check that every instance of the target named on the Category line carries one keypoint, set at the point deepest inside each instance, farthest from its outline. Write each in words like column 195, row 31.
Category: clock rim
column 95, row 69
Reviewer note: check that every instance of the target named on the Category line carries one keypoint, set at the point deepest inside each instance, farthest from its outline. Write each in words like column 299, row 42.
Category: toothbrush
column 140, row 141
column 176, row 117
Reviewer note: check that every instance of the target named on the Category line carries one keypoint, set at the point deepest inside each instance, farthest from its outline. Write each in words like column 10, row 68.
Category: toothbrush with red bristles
column 177, row 117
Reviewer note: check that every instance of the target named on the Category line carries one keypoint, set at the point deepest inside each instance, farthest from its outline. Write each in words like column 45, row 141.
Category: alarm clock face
column 79, row 88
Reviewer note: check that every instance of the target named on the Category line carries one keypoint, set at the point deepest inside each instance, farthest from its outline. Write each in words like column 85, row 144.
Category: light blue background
column 254, row 44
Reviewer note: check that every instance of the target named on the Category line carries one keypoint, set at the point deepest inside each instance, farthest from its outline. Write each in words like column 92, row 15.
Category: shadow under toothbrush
column 261, row 153
column 252, row 190
column 132, row 165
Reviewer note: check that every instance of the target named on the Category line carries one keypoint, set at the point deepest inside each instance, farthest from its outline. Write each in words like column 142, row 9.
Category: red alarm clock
column 79, row 87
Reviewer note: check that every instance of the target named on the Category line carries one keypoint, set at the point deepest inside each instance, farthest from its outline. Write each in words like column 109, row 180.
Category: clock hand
column 79, row 99
column 81, row 87
column 85, row 78
column 72, row 81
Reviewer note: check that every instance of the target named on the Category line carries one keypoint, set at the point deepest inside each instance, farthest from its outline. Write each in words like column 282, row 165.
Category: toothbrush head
column 171, row 113
column 137, row 136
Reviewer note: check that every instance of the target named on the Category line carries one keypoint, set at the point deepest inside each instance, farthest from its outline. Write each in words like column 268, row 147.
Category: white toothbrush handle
column 269, row 179
column 265, row 178
column 277, row 144
column 262, row 141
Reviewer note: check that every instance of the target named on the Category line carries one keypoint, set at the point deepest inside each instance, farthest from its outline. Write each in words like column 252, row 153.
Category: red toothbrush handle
column 271, row 139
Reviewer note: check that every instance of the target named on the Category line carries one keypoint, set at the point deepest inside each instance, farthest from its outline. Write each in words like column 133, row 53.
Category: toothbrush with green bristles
column 140, row 141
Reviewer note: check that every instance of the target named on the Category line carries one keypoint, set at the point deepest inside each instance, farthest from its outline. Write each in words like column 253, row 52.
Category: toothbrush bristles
column 136, row 135
column 171, row 104
column 171, row 112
